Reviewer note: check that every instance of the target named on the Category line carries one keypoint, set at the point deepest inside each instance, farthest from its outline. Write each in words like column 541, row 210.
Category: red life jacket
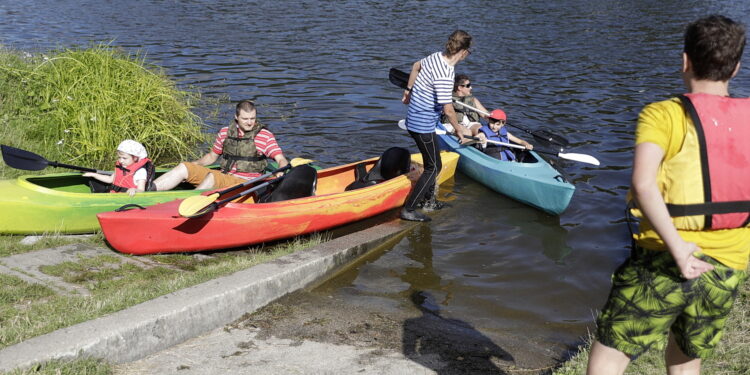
column 124, row 175
column 722, row 128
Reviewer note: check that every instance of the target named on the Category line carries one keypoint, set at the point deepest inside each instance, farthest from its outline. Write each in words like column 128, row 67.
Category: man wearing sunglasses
column 466, row 117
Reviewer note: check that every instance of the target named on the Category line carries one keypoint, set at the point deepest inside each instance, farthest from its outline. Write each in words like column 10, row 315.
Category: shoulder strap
column 690, row 108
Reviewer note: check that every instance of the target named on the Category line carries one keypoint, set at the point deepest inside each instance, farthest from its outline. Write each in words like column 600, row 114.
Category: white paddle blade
column 583, row 158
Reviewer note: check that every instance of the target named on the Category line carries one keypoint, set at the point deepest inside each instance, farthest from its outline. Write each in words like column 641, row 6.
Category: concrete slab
column 28, row 264
column 158, row 324
column 242, row 352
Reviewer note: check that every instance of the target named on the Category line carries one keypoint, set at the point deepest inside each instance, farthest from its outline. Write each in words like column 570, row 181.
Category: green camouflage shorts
column 649, row 297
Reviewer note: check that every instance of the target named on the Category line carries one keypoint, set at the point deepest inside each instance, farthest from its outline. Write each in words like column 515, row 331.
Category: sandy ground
column 306, row 333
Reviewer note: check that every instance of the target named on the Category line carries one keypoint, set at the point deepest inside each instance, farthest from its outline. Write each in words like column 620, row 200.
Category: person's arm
column 450, row 113
column 107, row 179
column 648, row 158
column 207, row 159
column 140, row 187
column 520, row 141
column 412, row 78
column 479, row 105
column 282, row 163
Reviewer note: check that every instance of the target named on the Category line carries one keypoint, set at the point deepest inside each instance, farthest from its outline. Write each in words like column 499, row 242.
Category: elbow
column 642, row 189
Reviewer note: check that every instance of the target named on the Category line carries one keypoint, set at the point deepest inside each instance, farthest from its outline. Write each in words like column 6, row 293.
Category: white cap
column 133, row 148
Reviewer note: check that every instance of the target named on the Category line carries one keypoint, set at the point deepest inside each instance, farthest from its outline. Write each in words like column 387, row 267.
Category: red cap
column 498, row 114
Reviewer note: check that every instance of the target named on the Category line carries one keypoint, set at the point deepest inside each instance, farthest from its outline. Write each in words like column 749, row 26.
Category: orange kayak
column 160, row 228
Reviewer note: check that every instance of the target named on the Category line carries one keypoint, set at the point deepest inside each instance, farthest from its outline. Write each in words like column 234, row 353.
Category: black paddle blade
column 398, row 78
column 22, row 159
column 549, row 137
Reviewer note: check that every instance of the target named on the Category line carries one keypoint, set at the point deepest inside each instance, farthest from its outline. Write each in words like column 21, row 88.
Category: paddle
column 196, row 204
column 29, row 161
column 541, row 135
column 401, row 79
column 583, row 158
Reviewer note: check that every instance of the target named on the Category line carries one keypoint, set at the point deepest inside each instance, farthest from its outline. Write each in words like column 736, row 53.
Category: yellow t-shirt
column 664, row 124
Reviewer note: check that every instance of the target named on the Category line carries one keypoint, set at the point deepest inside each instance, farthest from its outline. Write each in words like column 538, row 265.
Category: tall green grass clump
column 76, row 105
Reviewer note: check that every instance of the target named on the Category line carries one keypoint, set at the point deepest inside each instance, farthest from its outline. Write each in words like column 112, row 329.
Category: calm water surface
column 319, row 68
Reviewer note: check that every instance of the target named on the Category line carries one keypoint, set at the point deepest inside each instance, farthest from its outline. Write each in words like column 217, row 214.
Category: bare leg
column 678, row 363
column 207, row 183
column 604, row 360
column 172, row 178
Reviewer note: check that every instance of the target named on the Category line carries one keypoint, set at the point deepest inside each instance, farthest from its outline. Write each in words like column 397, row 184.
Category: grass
column 79, row 367
column 732, row 356
column 76, row 105
column 28, row 310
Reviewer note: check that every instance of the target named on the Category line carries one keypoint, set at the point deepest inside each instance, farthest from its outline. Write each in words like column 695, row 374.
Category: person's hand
column 132, row 191
column 690, row 266
column 529, row 146
column 406, row 97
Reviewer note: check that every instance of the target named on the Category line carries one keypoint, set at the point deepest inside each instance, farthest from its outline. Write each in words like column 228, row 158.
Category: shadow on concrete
column 448, row 346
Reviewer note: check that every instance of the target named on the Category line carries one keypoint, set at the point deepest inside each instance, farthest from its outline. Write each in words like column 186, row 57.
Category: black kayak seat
column 300, row 182
column 394, row 162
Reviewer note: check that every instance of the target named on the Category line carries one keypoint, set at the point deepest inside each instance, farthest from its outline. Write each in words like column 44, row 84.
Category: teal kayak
column 532, row 180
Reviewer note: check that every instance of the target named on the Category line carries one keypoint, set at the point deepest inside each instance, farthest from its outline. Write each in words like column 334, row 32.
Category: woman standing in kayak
column 428, row 94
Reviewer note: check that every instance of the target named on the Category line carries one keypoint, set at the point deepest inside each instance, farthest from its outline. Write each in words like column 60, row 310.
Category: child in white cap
column 134, row 172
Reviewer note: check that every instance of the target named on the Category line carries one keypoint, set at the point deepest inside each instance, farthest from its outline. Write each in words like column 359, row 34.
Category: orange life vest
column 706, row 185
column 124, row 175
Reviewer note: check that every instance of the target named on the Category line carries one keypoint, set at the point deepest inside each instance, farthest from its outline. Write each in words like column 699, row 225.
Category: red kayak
column 161, row 229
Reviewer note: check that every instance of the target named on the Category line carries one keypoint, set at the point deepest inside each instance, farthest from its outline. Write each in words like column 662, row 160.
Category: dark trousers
column 425, row 187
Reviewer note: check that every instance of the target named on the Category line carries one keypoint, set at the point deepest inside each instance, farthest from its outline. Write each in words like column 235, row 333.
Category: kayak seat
column 97, row 186
column 394, row 162
column 300, row 182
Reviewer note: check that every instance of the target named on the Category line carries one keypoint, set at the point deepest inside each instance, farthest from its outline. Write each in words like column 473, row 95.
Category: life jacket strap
column 245, row 158
column 708, row 208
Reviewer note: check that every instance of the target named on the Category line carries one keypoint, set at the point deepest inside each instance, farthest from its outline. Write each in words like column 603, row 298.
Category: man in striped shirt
column 429, row 94
column 245, row 144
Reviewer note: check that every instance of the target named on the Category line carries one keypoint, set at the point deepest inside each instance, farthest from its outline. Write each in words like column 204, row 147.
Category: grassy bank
column 76, row 106
column 731, row 357
column 28, row 310
column 79, row 367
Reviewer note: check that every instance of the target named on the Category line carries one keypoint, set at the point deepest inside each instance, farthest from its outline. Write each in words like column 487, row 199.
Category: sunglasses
column 468, row 85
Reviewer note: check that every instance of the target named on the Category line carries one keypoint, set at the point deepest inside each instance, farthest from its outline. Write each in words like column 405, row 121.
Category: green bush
column 76, row 105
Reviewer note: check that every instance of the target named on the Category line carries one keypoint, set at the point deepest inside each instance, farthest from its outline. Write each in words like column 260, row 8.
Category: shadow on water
column 448, row 346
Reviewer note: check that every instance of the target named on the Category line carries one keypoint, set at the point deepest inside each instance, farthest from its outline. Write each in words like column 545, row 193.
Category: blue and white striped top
column 432, row 90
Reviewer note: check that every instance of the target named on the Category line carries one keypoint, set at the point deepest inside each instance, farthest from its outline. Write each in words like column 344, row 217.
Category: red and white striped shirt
column 265, row 143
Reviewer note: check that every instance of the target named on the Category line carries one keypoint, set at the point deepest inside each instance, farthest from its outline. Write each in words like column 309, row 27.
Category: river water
column 318, row 69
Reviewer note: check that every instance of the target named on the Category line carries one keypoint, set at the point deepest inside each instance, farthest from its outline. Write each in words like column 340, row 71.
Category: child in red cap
column 495, row 130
